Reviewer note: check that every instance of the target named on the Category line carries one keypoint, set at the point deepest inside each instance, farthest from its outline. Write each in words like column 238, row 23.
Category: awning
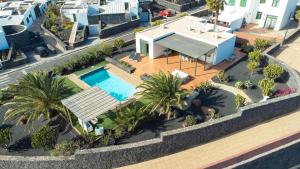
column 187, row 46
column 90, row 103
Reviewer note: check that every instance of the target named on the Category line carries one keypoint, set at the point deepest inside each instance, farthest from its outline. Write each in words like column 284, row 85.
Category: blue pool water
column 110, row 83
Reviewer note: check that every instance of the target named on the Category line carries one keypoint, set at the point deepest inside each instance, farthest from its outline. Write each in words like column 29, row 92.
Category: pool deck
column 133, row 80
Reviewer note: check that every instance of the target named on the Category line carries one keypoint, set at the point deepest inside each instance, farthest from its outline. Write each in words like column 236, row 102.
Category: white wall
column 3, row 42
column 30, row 11
column 224, row 50
column 94, row 29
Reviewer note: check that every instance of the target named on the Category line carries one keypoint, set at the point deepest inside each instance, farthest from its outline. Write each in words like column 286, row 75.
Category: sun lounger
column 137, row 57
column 131, row 56
column 99, row 131
column 181, row 75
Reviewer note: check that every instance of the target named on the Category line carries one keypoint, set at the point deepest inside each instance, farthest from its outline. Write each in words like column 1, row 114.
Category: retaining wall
column 119, row 28
column 59, row 42
column 182, row 7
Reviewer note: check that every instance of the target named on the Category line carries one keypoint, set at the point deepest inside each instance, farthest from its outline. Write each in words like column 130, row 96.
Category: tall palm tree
column 129, row 118
column 37, row 94
column 216, row 6
column 163, row 91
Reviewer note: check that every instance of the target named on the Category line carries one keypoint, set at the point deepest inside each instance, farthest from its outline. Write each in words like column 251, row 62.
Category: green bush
column 252, row 65
column 90, row 57
column 247, row 48
column 65, row 148
column 255, row 56
column 223, row 77
column 139, row 29
column 119, row 43
column 239, row 101
column 106, row 49
column 182, row 15
column 45, row 138
column 261, row 44
column 266, row 86
column 239, row 85
column 273, row 71
column 5, row 137
column 190, row 121
column 248, row 84
column 156, row 23
column 206, row 86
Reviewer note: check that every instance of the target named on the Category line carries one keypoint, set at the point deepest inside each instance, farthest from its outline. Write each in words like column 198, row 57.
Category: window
column 27, row 20
column 231, row 2
column 275, row 3
column 258, row 15
column 262, row 1
column 243, row 3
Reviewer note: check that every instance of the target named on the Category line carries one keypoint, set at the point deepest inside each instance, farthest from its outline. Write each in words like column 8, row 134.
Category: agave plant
column 36, row 95
column 163, row 92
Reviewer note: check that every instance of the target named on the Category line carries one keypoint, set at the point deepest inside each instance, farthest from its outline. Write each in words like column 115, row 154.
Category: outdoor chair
column 131, row 56
column 137, row 57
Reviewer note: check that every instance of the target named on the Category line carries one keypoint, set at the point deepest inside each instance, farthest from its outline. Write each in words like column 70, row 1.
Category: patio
column 153, row 66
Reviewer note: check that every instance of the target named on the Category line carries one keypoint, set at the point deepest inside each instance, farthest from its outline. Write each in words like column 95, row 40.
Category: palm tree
column 216, row 6
column 163, row 91
column 37, row 94
column 129, row 118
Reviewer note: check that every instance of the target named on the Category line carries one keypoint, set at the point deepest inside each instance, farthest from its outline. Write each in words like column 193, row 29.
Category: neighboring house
column 190, row 36
column 93, row 15
column 270, row 14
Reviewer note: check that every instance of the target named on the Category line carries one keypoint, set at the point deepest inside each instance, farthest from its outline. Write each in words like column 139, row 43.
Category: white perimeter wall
column 3, row 42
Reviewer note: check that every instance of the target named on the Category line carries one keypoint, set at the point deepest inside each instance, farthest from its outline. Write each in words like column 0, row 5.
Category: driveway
column 289, row 53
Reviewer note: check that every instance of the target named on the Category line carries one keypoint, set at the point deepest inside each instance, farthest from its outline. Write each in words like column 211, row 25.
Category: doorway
column 144, row 47
column 270, row 22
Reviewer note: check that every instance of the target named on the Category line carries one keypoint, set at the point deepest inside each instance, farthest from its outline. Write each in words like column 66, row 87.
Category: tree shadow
column 22, row 144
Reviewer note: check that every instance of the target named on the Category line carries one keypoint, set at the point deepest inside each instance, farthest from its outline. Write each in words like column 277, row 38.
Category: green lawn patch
column 75, row 89
column 90, row 68
column 106, row 120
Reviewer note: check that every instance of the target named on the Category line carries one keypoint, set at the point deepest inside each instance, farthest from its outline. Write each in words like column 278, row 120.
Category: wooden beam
column 196, row 67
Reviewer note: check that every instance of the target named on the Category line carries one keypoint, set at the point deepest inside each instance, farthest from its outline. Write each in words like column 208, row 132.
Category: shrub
column 118, row 43
column 156, row 23
column 181, row 15
column 252, row 65
column 239, row 101
column 45, row 138
column 4, row 96
column 284, row 91
column 261, row 44
column 239, row 84
column 205, row 86
column 255, row 56
column 65, row 148
column 223, row 77
column 5, row 137
column 106, row 49
column 190, row 121
column 247, row 48
column 139, row 29
column 297, row 16
column 273, row 71
column 108, row 138
column 248, row 84
column 266, row 86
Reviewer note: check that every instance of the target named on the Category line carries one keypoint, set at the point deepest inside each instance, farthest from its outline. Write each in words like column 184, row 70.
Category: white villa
column 270, row 14
column 191, row 37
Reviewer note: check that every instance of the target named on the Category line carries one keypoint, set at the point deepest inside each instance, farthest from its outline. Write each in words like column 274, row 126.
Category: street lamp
column 291, row 18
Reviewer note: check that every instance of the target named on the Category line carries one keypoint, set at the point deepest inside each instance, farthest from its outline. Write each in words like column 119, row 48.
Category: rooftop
column 113, row 8
column 191, row 27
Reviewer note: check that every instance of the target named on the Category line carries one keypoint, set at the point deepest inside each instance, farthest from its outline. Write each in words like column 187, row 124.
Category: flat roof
column 90, row 103
column 113, row 8
column 231, row 15
column 191, row 27
column 193, row 48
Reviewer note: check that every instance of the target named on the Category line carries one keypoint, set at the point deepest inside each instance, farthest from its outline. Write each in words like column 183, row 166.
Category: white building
column 270, row 14
column 191, row 37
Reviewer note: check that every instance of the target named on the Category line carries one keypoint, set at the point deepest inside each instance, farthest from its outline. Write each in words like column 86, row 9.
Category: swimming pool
column 110, row 83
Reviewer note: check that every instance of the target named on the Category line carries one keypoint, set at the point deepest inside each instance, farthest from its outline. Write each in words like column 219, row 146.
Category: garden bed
column 239, row 72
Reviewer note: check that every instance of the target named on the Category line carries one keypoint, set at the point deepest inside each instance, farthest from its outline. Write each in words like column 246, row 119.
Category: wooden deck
column 153, row 66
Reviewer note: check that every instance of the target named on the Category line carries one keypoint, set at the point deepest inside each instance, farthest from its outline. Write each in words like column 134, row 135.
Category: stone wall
column 182, row 7
column 106, row 32
column 59, row 42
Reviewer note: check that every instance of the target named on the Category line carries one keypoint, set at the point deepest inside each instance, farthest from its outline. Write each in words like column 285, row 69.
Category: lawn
column 90, row 68
column 75, row 89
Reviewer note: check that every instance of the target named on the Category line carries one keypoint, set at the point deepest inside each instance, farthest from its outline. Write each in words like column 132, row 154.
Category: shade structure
column 90, row 103
column 187, row 46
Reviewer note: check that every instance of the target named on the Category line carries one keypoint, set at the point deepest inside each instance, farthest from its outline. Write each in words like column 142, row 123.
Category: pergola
column 90, row 103
column 186, row 46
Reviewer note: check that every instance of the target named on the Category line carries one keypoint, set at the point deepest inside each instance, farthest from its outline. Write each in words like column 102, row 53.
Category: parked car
column 51, row 49
column 42, row 51
column 166, row 13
